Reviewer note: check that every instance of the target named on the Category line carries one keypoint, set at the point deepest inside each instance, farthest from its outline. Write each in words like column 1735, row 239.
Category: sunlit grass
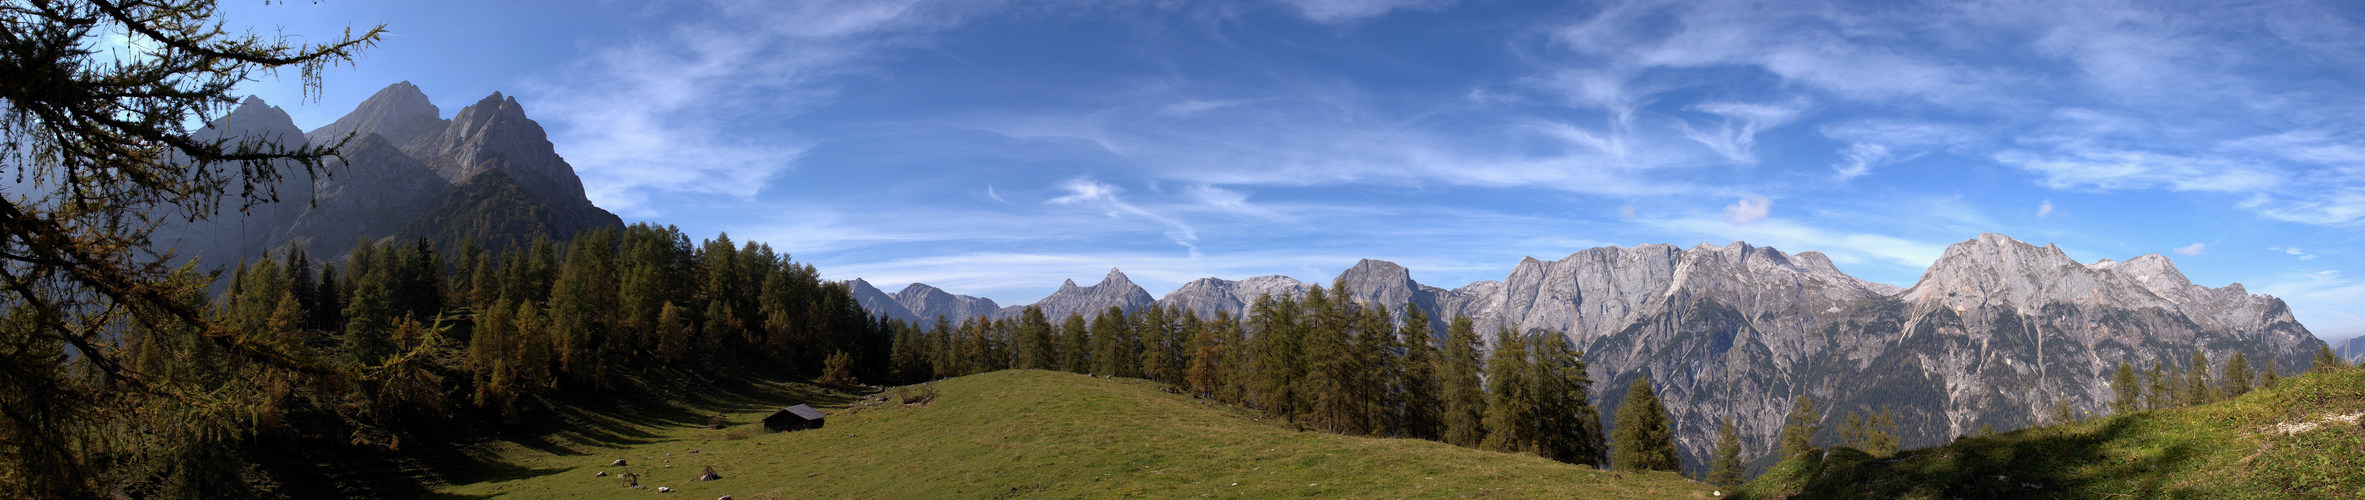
column 1038, row 434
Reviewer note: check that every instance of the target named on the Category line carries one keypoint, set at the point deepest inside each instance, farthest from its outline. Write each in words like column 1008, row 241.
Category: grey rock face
column 242, row 222
column 1207, row 296
column 1114, row 290
column 494, row 133
column 926, row 303
column 2352, row 349
column 879, row 303
column 382, row 186
column 400, row 113
column 371, row 195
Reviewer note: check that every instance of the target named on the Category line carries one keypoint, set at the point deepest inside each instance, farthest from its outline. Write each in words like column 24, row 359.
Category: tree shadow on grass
column 2036, row 463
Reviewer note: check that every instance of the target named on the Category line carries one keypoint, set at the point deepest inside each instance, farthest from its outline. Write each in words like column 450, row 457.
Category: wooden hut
column 794, row 418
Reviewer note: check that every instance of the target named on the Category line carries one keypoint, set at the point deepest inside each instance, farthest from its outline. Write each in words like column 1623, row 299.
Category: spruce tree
column 1725, row 470
column 2130, row 390
column 1510, row 399
column 1644, row 439
column 1799, row 428
column 2237, row 376
column 1464, row 400
column 1419, row 383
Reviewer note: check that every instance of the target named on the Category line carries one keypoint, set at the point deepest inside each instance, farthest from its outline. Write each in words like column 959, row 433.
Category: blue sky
column 995, row 149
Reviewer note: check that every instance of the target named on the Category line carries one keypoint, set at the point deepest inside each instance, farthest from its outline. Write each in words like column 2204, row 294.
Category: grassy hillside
column 2299, row 440
column 1037, row 434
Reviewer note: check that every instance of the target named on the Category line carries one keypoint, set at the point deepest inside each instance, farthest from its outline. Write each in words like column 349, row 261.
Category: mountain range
column 1996, row 332
column 488, row 174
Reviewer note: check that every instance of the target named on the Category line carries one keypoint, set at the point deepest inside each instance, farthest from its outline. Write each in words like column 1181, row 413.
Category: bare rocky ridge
column 1995, row 333
column 927, row 302
column 489, row 175
column 1114, row 290
column 879, row 303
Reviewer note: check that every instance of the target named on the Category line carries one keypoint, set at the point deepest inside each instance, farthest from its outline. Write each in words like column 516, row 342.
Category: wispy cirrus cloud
column 664, row 111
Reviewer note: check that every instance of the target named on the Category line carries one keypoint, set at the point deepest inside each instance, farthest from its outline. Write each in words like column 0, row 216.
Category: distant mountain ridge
column 1996, row 331
column 490, row 174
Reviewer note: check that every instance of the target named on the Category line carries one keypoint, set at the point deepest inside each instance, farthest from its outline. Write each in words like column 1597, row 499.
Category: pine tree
column 1420, row 385
column 1463, row 399
column 1510, row 399
column 2130, row 390
column 1725, row 471
column 1643, row 439
column 1798, row 430
column 2268, row 377
column 2237, row 376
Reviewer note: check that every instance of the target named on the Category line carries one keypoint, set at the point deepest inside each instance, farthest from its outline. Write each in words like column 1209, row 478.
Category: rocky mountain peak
column 1115, row 276
column 400, row 113
column 254, row 121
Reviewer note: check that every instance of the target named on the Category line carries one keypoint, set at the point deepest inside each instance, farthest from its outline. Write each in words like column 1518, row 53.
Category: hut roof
column 806, row 412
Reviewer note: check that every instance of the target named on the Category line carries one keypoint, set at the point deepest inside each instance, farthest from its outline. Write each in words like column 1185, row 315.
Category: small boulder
column 709, row 474
column 662, row 489
column 601, row 474
column 618, row 463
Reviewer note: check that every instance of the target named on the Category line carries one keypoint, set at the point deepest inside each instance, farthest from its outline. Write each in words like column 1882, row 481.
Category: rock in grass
column 618, row 463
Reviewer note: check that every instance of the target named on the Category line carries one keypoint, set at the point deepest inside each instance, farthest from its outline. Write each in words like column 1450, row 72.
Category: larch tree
column 1205, row 375
column 1568, row 429
column 1644, row 437
column 2196, row 381
column 1874, row 433
column 1036, row 349
column 1725, row 470
column 1464, row 401
column 2128, row 388
column 1419, row 383
column 1510, row 398
column 2237, row 376
column 1075, row 345
column 1799, row 428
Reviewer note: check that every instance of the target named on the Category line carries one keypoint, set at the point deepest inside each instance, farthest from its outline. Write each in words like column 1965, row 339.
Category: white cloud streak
column 662, row 113
column 1092, row 194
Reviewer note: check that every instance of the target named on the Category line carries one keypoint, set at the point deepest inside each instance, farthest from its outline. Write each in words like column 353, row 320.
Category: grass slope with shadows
column 1038, row 434
column 2300, row 439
